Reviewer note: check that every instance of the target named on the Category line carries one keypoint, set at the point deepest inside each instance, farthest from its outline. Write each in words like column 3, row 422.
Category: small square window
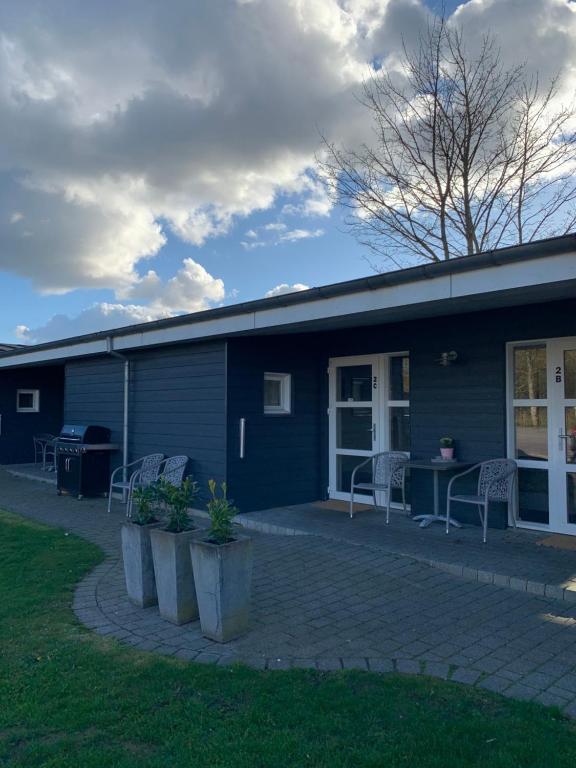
column 277, row 393
column 27, row 400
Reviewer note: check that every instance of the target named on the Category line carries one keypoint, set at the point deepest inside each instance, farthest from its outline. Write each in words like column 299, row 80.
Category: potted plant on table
column 222, row 563
column 137, row 551
column 447, row 448
column 171, row 552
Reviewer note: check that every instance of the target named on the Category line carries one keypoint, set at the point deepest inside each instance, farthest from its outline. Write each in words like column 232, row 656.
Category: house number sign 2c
column 558, row 374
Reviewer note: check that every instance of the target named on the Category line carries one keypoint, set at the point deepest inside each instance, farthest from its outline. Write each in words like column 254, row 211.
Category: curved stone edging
column 90, row 611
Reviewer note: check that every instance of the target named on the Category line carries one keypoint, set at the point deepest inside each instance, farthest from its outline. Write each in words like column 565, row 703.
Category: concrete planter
column 223, row 576
column 138, row 567
column 174, row 578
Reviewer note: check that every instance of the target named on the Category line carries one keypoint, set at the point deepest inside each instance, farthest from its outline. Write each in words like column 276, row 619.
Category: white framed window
column 27, row 400
column 278, row 393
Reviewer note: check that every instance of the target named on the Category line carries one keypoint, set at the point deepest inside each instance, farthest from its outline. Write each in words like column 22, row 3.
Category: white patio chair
column 173, row 470
column 388, row 472
column 41, row 442
column 145, row 471
column 496, row 482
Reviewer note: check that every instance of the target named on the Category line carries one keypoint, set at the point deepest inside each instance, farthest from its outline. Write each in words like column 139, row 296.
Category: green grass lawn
column 70, row 698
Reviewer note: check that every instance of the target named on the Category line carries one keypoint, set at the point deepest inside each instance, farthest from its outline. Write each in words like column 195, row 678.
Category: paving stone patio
column 329, row 603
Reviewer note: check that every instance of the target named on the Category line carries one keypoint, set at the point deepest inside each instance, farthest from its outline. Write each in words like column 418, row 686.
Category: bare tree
column 468, row 155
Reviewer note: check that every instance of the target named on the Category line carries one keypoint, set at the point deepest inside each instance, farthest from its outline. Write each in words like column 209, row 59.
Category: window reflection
column 354, row 383
column 533, row 495
column 571, row 498
column 345, row 465
column 400, row 429
column 530, row 373
column 400, row 378
column 570, row 432
column 570, row 373
column 531, row 424
column 354, row 428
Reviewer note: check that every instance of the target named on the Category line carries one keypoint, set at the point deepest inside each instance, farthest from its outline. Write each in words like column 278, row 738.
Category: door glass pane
column 345, row 465
column 354, row 428
column 533, row 495
column 399, row 429
column 400, row 378
column 530, row 373
column 531, row 432
column 570, row 373
column 571, row 498
column 354, row 383
column 570, row 431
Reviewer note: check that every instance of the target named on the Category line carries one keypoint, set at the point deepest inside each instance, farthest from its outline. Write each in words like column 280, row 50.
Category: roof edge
column 516, row 253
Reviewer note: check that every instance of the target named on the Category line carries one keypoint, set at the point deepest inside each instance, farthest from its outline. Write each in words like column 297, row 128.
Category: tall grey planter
column 138, row 567
column 174, row 578
column 223, row 577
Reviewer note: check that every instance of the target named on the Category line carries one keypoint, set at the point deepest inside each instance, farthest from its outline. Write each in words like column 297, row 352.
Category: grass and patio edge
column 68, row 697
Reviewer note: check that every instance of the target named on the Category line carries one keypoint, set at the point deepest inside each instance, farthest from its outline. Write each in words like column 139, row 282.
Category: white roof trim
column 511, row 276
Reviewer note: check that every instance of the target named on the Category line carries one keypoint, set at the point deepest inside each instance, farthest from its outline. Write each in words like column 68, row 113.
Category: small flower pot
column 174, row 578
column 447, row 453
column 138, row 566
column 223, row 577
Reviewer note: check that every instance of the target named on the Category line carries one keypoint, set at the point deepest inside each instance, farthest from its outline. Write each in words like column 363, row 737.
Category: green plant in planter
column 144, row 499
column 221, row 510
column 175, row 501
column 446, row 442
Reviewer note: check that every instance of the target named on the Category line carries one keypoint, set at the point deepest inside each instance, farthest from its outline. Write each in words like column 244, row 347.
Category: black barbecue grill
column 83, row 460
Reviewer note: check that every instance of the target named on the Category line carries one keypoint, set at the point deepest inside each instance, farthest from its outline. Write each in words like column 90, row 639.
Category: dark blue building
column 282, row 397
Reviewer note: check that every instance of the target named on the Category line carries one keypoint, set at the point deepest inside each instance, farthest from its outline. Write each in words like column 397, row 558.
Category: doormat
column 558, row 541
column 334, row 505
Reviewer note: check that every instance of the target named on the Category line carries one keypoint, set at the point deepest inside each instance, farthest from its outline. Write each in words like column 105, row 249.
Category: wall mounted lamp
column 447, row 358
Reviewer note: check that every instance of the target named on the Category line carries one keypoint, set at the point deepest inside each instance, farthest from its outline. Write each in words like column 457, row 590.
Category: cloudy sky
column 157, row 157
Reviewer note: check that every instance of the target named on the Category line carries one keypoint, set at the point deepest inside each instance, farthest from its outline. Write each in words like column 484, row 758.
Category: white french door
column 563, row 436
column 369, row 411
column 542, row 431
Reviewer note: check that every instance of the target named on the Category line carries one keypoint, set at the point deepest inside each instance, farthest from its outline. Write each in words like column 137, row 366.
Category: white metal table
column 436, row 467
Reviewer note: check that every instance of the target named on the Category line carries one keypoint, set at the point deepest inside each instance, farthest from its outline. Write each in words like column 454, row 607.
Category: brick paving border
column 331, row 605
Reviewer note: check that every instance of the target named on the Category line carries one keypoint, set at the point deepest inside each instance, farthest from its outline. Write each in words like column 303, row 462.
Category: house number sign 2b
column 558, row 374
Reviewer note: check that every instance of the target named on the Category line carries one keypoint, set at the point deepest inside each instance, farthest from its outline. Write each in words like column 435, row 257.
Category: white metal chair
column 145, row 471
column 496, row 482
column 43, row 442
column 173, row 470
column 388, row 472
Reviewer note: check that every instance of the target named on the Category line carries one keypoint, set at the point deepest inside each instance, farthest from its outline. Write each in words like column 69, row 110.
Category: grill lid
column 74, row 433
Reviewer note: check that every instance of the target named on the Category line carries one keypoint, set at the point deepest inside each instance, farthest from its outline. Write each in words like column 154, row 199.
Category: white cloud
column 252, row 244
column 120, row 122
column 123, row 123
column 283, row 288
column 275, row 233
column 101, row 316
column 300, row 234
column 192, row 289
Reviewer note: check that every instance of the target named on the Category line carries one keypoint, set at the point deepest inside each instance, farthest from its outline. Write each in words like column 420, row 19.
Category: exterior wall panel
column 466, row 400
column 18, row 429
column 177, row 403
column 283, row 452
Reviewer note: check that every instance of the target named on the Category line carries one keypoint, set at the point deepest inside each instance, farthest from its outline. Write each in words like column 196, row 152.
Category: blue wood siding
column 17, row 430
column 177, row 403
column 178, row 406
column 466, row 400
column 283, row 452
column 93, row 394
